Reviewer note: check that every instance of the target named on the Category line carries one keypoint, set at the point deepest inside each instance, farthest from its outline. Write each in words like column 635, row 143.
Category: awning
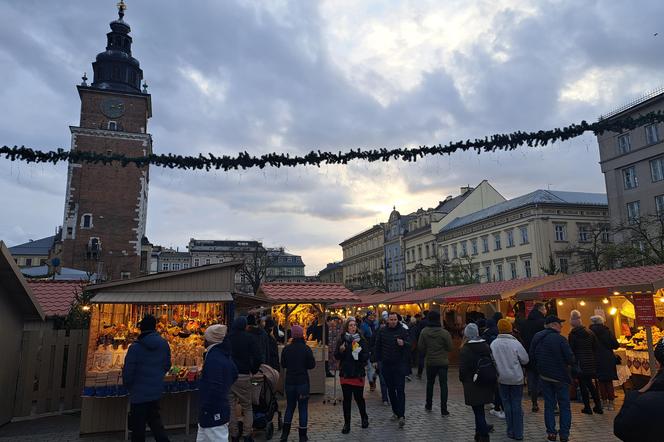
column 160, row 297
column 306, row 293
column 600, row 284
column 369, row 300
column 423, row 295
column 495, row 291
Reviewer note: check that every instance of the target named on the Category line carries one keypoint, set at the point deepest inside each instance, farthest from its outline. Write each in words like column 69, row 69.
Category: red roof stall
column 56, row 297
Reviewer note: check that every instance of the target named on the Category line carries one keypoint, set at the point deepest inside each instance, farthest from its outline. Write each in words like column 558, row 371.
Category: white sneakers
column 498, row 414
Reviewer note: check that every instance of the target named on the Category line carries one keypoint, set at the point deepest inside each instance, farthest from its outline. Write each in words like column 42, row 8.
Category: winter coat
column 244, row 348
column 638, row 419
column 219, row 374
column 551, row 355
column 531, row 326
column 297, row 359
column 584, row 344
column 604, row 357
column 272, row 353
column 435, row 343
column 386, row 348
column 473, row 393
column 491, row 331
column 368, row 328
column 510, row 357
column 349, row 367
column 262, row 341
column 147, row 361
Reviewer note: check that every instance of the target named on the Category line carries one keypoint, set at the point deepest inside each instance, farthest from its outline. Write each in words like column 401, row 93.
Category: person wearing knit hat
column 297, row 359
column 584, row 346
column 510, row 357
column 606, row 360
column 477, row 391
column 218, row 375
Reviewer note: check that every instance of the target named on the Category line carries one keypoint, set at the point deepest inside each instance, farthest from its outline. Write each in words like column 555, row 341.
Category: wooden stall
column 184, row 303
column 303, row 303
column 370, row 299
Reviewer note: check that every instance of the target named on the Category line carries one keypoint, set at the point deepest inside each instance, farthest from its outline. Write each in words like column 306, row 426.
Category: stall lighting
column 605, row 301
column 613, row 311
column 85, row 308
column 582, row 303
column 661, row 299
column 560, row 302
column 616, row 293
column 434, row 303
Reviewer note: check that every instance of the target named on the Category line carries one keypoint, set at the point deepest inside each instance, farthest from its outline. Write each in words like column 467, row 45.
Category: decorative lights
column 605, row 301
column 613, row 311
column 560, row 302
column 582, row 303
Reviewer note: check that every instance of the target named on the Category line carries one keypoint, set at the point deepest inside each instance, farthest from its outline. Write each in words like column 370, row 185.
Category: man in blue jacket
column 219, row 373
column 552, row 357
column 147, row 361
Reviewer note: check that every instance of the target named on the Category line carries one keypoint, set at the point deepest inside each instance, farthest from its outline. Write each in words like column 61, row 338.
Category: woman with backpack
column 478, row 375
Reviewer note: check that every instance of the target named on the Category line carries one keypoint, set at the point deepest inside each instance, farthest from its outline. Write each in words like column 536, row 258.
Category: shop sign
column 644, row 307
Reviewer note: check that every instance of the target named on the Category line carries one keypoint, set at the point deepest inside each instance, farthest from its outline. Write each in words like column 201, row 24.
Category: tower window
column 86, row 221
column 112, row 125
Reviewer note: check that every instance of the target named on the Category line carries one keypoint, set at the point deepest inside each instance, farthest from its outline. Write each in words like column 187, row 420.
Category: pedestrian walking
column 606, row 360
column 528, row 329
column 378, row 366
column 219, row 374
column 273, row 347
column 246, row 355
column 420, row 325
column 552, row 357
column 489, row 335
column 352, row 352
column 147, row 361
column 510, row 357
column 435, row 344
column 392, row 351
column 297, row 359
column 639, row 419
column 368, row 328
column 478, row 375
column 584, row 346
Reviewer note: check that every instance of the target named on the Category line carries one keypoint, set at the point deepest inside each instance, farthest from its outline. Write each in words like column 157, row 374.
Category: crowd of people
column 497, row 357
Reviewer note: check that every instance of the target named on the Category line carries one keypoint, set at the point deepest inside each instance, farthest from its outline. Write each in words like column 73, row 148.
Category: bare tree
column 443, row 273
column 256, row 262
column 593, row 251
column 643, row 240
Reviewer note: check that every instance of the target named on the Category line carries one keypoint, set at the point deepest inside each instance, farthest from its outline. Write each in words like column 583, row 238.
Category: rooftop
column 537, row 197
column 627, row 106
column 56, row 297
column 38, row 247
column 306, row 292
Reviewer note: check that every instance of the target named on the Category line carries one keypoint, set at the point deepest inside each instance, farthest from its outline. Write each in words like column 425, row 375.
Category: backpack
column 485, row 372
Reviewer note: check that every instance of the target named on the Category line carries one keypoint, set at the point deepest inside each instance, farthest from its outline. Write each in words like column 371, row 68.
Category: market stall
column 184, row 303
column 305, row 304
column 370, row 299
column 413, row 302
column 630, row 300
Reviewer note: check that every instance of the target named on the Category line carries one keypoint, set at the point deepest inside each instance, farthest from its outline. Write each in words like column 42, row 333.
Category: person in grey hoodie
column 510, row 357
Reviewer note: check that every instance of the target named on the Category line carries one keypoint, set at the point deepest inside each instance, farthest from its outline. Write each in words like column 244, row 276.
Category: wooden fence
column 51, row 373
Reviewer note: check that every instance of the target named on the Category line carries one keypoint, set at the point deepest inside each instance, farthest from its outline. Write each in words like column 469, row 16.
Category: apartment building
column 364, row 259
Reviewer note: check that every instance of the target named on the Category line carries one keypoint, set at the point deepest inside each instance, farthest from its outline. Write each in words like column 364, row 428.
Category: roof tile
column 304, row 292
column 55, row 297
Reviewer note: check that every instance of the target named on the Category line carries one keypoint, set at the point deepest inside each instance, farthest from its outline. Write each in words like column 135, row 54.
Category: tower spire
column 121, row 8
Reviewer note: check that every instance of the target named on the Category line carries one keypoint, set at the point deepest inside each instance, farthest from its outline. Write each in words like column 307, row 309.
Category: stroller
column 264, row 400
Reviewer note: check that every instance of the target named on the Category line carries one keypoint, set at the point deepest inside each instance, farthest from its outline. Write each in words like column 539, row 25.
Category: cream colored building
column 516, row 238
column 364, row 258
column 420, row 240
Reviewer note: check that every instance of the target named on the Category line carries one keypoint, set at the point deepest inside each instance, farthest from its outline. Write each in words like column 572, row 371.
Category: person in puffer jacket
column 435, row 343
column 584, row 346
column 147, row 361
column 510, row 358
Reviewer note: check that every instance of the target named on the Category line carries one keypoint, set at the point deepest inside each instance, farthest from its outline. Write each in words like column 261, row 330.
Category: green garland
column 244, row 160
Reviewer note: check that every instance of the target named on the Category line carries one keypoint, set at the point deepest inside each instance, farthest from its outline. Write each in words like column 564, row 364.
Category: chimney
column 465, row 190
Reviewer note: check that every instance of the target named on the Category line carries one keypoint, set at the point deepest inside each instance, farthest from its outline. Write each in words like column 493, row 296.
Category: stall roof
column 424, row 295
column 56, row 297
column 494, row 291
column 368, row 298
column 603, row 283
column 306, row 292
column 14, row 283
column 160, row 297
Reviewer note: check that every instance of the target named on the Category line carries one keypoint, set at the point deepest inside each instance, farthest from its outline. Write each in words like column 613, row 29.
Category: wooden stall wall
column 51, row 372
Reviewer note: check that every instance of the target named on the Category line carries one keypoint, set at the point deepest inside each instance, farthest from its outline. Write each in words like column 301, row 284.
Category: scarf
column 354, row 339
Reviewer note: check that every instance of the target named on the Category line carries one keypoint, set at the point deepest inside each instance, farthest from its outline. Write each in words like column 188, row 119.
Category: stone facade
column 364, row 259
column 333, row 272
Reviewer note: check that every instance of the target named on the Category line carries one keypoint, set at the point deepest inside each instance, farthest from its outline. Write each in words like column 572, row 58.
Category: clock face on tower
column 113, row 107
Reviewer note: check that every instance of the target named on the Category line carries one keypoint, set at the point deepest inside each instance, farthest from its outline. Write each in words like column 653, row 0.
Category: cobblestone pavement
column 325, row 422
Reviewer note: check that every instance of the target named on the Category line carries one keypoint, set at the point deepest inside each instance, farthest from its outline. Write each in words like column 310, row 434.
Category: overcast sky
column 291, row 76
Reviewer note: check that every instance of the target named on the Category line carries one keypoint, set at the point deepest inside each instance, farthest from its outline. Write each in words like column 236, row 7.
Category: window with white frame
column 197, row 262
column 164, row 266
column 510, row 238
column 86, row 221
column 473, row 245
column 455, row 253
column 606, row 233
column 446, row 253
column 527, row 269
column 208, row 261
column 496, row 241
column 513, row 270
column 563, row 264
column 624, row 144
column 112, row 125
column 485, row 244
column 524, row 234
column 499, row 272
column 125, row 275
column 28, row 261
column 630, row 180
column 584, row 233
column 176, row 266
column 561, row 232
column 464, row 248
column 633, row 212
column 487, row 273
column 659, row 205
column 652, row 134
column 657, row 169
column 419, row 253
column 185, row 265
column 427, row 254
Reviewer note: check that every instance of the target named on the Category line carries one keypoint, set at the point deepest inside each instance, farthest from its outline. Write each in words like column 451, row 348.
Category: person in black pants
column 392, row 351
column 352, row 352
column 147, row 361
column 584, row 346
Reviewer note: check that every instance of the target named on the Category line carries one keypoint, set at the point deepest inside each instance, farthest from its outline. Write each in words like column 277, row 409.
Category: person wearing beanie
column 510, row 357
column 297, row 359
column 639, row 417
column 478, row 386
column 218, row 375
column 247, row 357
column 147, row 361
column 606, row 361
column 435, row 344
column 584, row 345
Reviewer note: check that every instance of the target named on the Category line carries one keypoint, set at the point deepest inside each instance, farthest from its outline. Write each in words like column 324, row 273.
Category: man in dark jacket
column 640, row 416
column 584, row 347
column 219, row 373
column 419, row 326
column 434, row 344
column 247, row 357
column 260, row 335
column 528, row 329
column 392, row 351
column 147, row 361
column 552, row 357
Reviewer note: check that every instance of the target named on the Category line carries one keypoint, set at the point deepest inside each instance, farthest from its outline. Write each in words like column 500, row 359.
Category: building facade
column 106, row 204
column 169, row 260
column 363, row 264
column 633, row 165
column 33, row 253
column 522, row 237
column 284, row 266
column 395, row 261
column 333, row 272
